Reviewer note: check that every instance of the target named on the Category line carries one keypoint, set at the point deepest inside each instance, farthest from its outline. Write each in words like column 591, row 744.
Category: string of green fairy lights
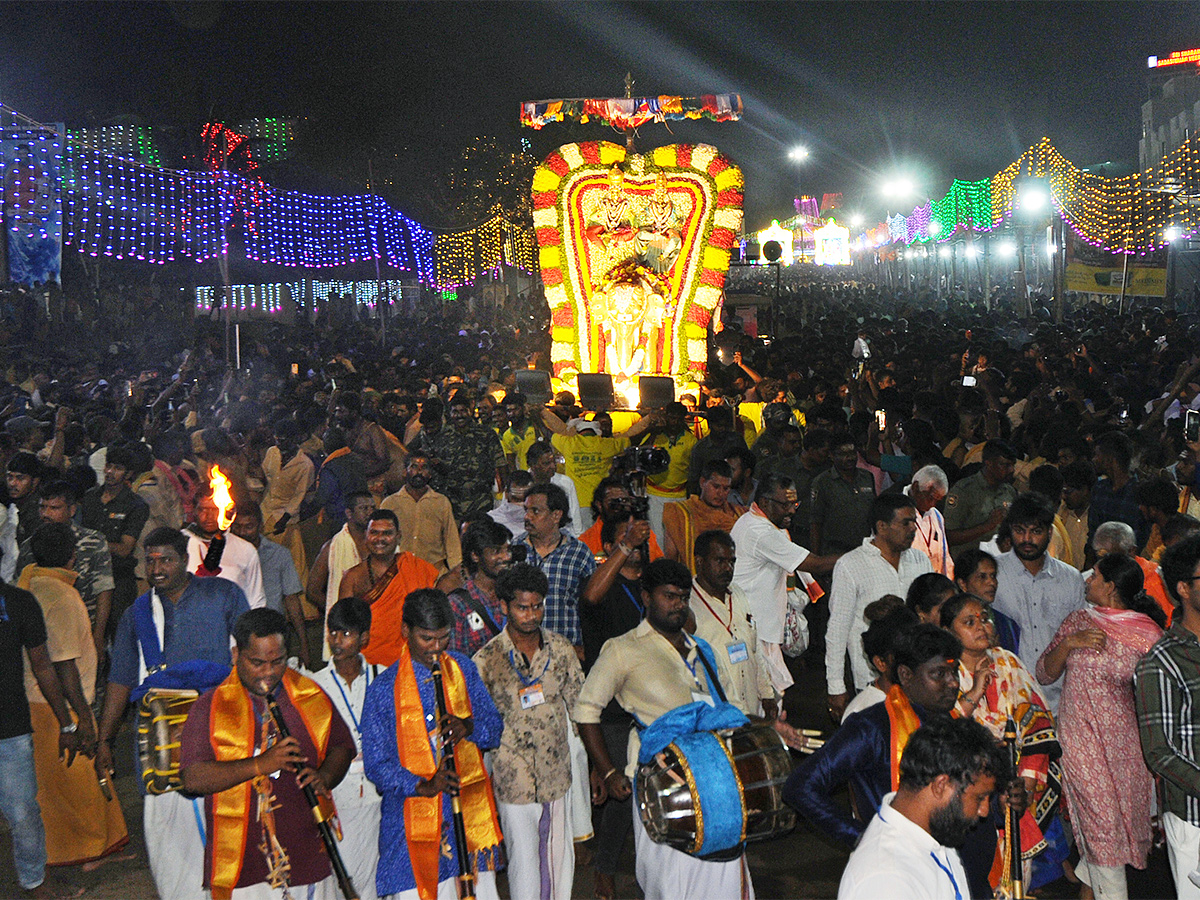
column 1134, row 214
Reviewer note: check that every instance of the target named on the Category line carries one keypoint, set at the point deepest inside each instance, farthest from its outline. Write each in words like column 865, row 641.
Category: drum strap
column 713, row 681
column 147, row 632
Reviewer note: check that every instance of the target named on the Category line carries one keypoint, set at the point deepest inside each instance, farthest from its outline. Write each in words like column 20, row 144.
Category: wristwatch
column 69, row 729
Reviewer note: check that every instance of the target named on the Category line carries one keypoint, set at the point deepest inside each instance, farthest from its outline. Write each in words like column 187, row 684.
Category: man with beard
column 766, row 557
column 947, row 775
column 1034, row 589
column 534, row 678
column 886, row 563
column 232, row 754
column 197, row 617
column 865, row 751
column 427, row 522
column 611, row 502
column 469, row 457
column 384, row 578
column 650, row 671
column 364, row 438
column 239, row 560
column 478, row 615
column 565, row 560
column 977, row 504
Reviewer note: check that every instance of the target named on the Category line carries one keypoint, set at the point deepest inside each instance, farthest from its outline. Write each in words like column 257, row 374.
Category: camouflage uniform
column 468, row 462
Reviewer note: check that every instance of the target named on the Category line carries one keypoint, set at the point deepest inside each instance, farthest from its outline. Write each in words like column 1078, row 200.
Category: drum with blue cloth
column 709, row 792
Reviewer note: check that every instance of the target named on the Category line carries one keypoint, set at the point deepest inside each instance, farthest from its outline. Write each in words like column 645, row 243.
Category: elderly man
column 928, row 487
column 1117, row 537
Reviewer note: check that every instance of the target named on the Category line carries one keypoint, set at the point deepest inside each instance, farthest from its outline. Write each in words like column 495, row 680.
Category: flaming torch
column 223, row 500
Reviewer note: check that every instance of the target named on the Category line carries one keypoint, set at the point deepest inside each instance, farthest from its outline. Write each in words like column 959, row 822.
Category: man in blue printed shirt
column 402, row 746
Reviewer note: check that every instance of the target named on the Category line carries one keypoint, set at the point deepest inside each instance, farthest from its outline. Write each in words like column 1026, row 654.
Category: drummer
column 651, row 670
column 190, row 619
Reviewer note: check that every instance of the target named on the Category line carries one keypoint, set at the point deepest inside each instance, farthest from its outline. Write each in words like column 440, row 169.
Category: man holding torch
column 214, row 551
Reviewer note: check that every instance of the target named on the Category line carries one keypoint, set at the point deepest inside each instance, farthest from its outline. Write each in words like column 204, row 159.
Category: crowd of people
column 427, row 586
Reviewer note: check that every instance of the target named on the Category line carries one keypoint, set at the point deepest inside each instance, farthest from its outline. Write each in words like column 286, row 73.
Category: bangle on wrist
column 69, row 729
column 609, row 773
column 624, row 548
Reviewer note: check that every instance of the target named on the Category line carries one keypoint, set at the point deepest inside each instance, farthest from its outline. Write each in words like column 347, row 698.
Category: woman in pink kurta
column 1108, row 786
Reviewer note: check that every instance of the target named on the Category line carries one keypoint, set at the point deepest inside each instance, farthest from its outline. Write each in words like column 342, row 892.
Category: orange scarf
column 423, row 815
column 904, row 721
column 232, row 726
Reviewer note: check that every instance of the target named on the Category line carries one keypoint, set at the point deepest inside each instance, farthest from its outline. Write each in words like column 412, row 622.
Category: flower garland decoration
column 578, row 258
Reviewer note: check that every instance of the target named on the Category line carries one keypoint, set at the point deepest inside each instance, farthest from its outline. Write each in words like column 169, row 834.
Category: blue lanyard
column 3, row 610
column 949, row 874
column 345, row 699
column 634, row 600
column 526, row 682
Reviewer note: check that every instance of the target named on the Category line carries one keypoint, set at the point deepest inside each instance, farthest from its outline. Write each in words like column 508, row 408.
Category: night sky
column 933, row 91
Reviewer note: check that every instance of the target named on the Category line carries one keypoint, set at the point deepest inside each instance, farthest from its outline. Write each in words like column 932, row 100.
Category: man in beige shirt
column 650, row 671
column 722, row 618
column 534, row 678
column 427, row 525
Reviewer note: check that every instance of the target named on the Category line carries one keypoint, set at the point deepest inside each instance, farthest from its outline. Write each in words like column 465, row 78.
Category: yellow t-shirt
column 673, row 482
column 588, row 459
column 517, row 445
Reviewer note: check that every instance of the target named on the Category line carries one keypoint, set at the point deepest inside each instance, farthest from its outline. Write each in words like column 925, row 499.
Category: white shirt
column 931, row 539
column 897, row 858
column 568, row 486
column 239, row 564
column 765, row 558
column 510, row 515
column 864, row 699
column 860, row 578
column 348, row 700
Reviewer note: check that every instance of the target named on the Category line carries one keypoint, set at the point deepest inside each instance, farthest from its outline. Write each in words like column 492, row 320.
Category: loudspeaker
column 595, row 391
column 535, row 385
column 655, row 391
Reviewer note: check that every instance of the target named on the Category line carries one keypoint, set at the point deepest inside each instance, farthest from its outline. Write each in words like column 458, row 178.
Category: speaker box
column 535, row 385
column 595, row 391
column 655, row 391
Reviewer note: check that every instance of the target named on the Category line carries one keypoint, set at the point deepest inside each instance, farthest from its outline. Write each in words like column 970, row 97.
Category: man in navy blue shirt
column 183, row 618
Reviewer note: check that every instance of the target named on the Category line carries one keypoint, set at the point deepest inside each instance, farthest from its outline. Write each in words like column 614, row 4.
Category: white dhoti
column 665, row 873
column 579, row 794
column 485, row 889
column 327, row 889
column 174, row 845
column 358, row 806
column 541, row 852
column 777, row 668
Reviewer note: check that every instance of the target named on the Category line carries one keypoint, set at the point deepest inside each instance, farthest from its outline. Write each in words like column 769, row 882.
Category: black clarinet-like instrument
column 314, row 803
column 1012, row 824
column 466, row 877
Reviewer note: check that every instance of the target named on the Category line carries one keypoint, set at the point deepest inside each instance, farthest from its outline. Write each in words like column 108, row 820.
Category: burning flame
column 222, row 499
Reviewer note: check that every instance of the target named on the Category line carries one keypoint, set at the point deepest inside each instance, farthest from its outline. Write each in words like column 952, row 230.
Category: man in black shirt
column 22, row 477
column 23, row 631
column 113, row 509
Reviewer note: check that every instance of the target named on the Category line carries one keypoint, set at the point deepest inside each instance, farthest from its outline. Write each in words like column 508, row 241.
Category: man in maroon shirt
column 230, row 739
